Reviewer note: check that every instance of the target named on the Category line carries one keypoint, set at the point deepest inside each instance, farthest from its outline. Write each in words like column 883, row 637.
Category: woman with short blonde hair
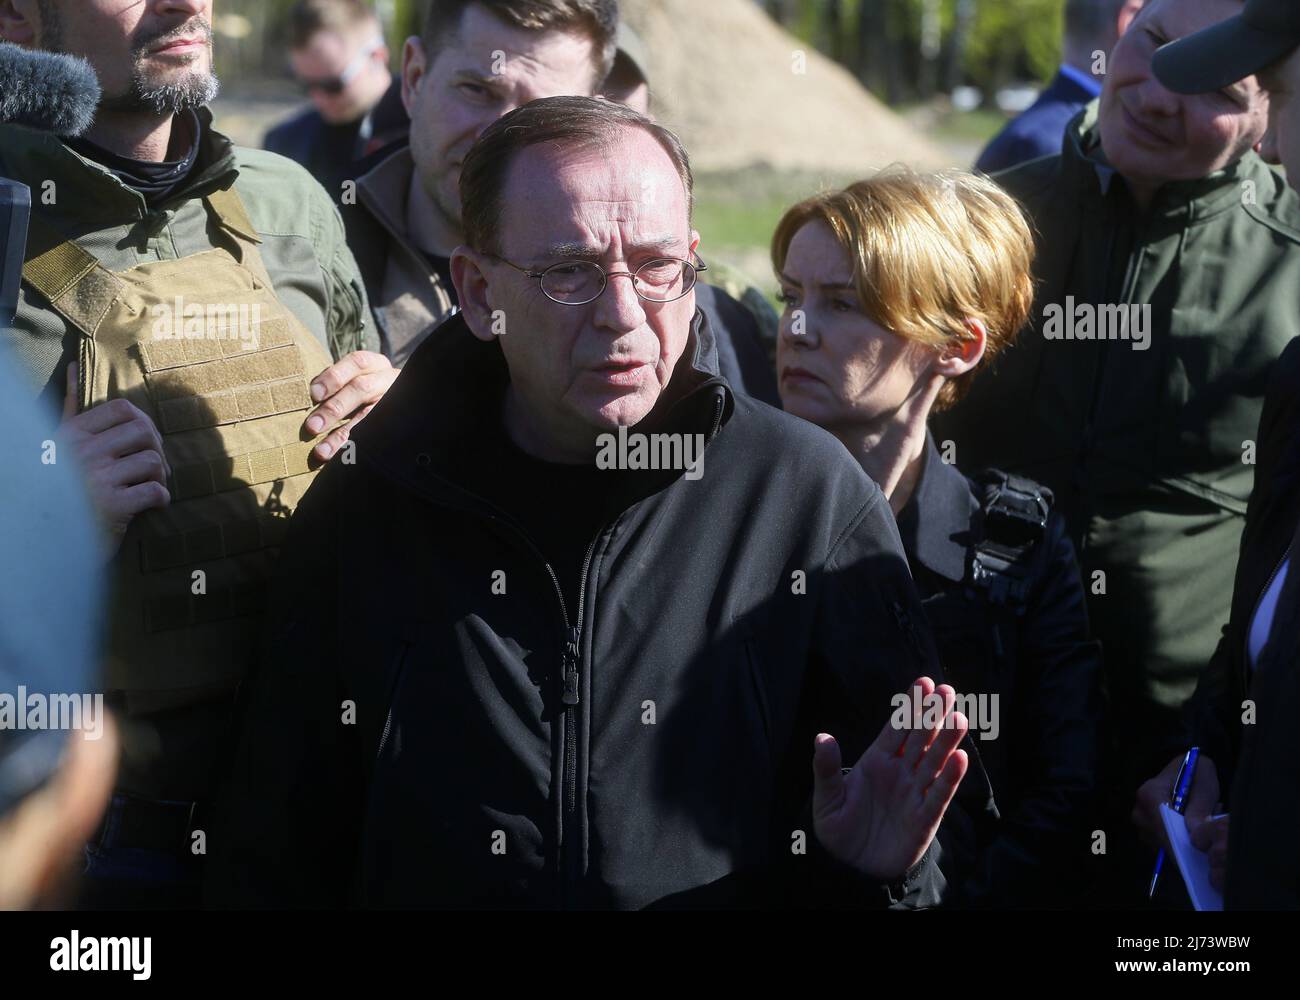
column 898, row 291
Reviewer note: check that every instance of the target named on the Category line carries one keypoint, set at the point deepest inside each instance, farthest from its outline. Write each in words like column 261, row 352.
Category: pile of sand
column 725, row 78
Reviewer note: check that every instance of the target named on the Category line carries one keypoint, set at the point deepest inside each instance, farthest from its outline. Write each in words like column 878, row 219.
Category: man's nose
column 619, row 307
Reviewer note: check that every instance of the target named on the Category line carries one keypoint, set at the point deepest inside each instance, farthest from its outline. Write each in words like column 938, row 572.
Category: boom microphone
column 45, row 91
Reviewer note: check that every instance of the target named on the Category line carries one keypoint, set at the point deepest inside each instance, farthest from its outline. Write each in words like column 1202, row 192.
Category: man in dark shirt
column 506, row 757
column 338, row 55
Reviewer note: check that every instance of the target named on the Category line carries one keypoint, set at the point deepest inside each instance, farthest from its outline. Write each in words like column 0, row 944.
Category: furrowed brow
column 472, row 74
column 571, row 251
column 662, row 245
column 665, row 245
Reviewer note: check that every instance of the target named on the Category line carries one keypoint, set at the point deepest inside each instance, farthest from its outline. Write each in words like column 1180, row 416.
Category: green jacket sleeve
column 348, row 319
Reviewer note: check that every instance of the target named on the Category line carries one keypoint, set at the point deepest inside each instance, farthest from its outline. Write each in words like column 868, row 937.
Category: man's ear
column 961, row 355
column 695, row 241
column 18, row 22
column 413, row 69
column 469, row 275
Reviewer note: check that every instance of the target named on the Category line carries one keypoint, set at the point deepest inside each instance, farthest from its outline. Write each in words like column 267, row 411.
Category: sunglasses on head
column 335, row 85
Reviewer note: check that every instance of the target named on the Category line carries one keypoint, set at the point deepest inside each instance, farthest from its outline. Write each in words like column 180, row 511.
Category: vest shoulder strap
column 228, row 207
column 1012, row 523
column 71, row 278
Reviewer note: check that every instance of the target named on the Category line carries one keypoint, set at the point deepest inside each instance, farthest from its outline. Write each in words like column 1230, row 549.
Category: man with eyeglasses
column 338, row 55
column 566, row 685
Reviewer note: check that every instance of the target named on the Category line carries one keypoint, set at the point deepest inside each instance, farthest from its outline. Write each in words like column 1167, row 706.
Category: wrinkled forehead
column 593, row 194
column 548, row 59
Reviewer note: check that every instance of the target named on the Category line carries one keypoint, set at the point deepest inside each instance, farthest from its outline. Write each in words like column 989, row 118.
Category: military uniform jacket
column 1149, row 450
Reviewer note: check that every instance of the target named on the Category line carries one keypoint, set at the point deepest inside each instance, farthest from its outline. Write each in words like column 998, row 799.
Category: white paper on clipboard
column 1193, row 865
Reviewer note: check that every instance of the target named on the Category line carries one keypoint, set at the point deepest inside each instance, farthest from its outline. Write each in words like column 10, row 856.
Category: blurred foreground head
column 54, row 782
column 337, row 51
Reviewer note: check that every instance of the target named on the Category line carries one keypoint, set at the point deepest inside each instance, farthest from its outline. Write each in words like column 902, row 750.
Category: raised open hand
column 881, row 816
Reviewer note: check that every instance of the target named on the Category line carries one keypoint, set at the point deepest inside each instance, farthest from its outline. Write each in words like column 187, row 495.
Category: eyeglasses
column 335, row 85
column 577, row 282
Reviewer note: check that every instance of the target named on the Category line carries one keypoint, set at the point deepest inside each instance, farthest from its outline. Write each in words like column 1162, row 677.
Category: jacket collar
column 432, row 418
column 383, row 190
column 1083, row 84
column 100, row 196
column 1180, row 201
column 935, row 523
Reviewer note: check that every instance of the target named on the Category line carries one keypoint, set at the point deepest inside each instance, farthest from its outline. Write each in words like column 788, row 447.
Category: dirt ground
column 740, row 91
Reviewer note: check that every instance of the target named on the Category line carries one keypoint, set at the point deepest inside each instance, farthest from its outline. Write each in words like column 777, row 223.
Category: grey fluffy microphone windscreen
column 50, row 93
column 45, row 91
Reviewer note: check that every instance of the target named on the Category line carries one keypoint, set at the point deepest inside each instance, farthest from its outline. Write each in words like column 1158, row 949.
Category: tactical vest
column 202, row 346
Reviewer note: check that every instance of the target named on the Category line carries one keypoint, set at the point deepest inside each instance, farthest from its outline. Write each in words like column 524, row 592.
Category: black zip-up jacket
column 651, row 745
column 1258, row 765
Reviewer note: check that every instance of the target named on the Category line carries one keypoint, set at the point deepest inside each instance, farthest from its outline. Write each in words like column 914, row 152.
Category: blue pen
column 1182, row 785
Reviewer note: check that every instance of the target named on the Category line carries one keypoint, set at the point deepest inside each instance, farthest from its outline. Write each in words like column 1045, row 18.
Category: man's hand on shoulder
column 347, row 390
column 121, row 456
column 881, row 816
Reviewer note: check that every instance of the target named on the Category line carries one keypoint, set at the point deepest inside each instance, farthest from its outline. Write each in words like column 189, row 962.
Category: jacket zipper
column 905, row 624
column 571, row 659
column 571, row 669
column 392, row 699
column 383, row 738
